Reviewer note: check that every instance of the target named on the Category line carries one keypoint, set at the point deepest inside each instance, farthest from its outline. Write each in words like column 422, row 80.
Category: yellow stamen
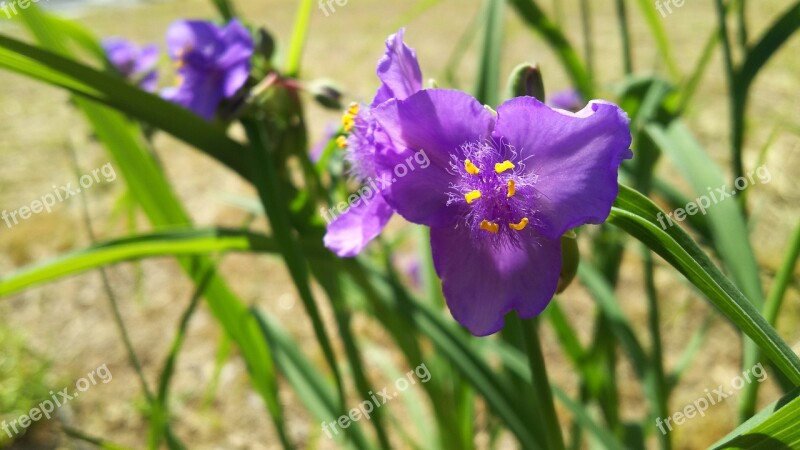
column 471, row 168
column 490, row 226
column 341, row 141
column 511, row 188
column 348, row 122
column 519, row 226
column 353, row 109
column 472, row 196
column 179, row 61
column 349, row 117
column 503, row 166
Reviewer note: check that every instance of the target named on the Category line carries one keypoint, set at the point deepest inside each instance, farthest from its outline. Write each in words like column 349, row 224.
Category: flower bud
column 570, row 257
column 326, row 94
column 526, row 80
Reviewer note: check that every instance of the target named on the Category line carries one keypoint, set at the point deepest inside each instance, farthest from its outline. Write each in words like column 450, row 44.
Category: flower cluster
column 212, row 63
column 502, row 189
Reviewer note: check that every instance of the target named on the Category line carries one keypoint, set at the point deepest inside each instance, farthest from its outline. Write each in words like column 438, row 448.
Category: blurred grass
column 24, row 378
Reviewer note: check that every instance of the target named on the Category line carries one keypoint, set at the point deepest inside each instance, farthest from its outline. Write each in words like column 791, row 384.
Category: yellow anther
column 348, row 122
column 503, row 166
column 512, row 188
column 341, row 141
column 490, row 226
column 519, row 226
column 471, row 168
column 353, row 109
column 179, row 62
column 472, row 196
column 349, row 117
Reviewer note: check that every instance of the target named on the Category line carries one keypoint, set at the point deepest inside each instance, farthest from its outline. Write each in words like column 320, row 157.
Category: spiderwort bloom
column 400, row 77
column 213, row 63
column 501, row 190
column 135, row 64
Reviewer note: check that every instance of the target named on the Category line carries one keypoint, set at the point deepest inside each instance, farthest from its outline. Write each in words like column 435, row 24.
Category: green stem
column 622, row 16
column 299, row 35
column 659, row 382
column 737, row 95
column 741, row 15
column 586, row 25
column 541, row 385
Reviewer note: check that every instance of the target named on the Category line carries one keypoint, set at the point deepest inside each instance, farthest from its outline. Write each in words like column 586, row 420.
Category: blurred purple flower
column 500, row 193
column 568, row 99
column 213, row 63
column 400, row 77
column 135, row 64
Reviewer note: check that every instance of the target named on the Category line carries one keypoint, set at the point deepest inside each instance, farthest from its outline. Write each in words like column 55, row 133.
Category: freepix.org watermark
column 704, row 202
column 714, row 397
column 376, row 400
column 372, row 187
column 665, row 7
column 327, row 5
column 11, row 8
column 59, row 399
column 59, row 194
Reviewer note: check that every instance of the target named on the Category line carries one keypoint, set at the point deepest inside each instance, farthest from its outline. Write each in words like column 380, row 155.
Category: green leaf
column 774, row 428
column 179, row 242
column 637, row 215
column 309, row 384
column 725, row 219
column 777, row 35
column 488, row 88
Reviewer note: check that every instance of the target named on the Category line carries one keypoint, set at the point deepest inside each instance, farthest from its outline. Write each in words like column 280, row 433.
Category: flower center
column 496, row 193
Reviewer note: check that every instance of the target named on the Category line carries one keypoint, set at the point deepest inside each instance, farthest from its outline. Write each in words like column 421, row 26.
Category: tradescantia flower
column 400, row 77
column 135, row 64
column 213, row 63
column 501, row 190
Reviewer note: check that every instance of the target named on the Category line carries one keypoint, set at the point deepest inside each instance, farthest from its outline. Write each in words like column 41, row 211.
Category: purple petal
column 122, row 55
column 192, row 35
column 576, row 158
column 238, row 45
column 198, row 93
column 147, row 59
column 483, row 282
column 398, row 71
column 351, row 231
column 150, row 82
column 430, row 125
column 235, row 79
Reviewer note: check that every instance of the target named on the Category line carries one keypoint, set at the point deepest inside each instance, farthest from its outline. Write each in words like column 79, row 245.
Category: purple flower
column 569, row 99
column 212, row 63
column 400, row 77
column 135, row 64
column 501, row 190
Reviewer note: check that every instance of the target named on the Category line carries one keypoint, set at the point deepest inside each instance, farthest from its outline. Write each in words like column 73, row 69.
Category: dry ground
column 70, row 323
